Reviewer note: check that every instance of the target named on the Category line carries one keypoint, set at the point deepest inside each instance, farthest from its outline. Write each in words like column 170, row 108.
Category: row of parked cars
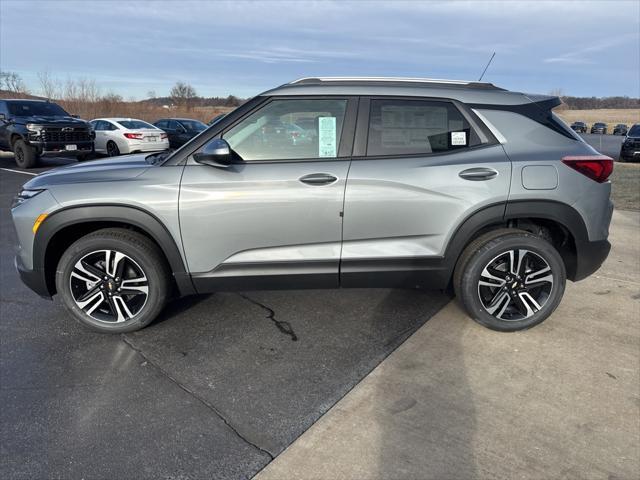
column 599, row 127
column 34, row 128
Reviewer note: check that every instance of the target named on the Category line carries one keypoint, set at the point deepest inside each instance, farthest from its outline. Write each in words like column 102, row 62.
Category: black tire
column 492, row 247
column 140, row 254
column 25, row 155
column 112, row 149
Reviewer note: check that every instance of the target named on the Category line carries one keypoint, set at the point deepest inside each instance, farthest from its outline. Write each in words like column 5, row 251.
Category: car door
column 274, row 219
column 182, row 135
column 420, row 167
column 100, row 142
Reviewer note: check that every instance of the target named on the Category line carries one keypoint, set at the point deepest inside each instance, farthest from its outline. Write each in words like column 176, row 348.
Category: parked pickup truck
column 34, row 128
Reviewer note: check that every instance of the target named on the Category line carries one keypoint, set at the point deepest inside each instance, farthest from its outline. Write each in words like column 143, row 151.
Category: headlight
column 33, row 127
column 23, row 196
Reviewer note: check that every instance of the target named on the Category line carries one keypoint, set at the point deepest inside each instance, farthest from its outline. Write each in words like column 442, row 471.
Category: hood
column 103, row 170
column 52, row 121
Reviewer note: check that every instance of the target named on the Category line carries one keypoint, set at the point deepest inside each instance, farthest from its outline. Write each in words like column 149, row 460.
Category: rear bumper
column 34, row 279
column 591, row 255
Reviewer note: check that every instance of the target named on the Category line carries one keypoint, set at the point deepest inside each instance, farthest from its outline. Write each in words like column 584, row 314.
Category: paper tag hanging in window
column 327, row 137
column 458, row 138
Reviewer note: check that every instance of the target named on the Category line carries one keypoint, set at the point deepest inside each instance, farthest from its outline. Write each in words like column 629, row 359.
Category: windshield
column 193, row 125
column 635, row 131
column 135, row 124
column 598, row 124
column 40, row 109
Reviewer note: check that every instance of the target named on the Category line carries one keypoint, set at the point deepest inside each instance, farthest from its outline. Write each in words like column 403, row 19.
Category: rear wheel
column 25, row 155
column 113, row 280
column 510, row 280
column 112, row 149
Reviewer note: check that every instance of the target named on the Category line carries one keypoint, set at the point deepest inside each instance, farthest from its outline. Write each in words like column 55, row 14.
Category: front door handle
column 478, row 173
column 318, row 179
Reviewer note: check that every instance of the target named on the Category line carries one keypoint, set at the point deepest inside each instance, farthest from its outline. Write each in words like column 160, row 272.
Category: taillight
column 596, row 167
column 134, row 136
column 163, row 136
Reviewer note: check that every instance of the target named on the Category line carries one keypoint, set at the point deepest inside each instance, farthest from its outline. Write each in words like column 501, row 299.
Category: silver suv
column 327, row 183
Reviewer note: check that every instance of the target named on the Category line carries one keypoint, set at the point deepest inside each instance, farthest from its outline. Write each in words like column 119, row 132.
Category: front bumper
column 48, row 149
column 34, row 279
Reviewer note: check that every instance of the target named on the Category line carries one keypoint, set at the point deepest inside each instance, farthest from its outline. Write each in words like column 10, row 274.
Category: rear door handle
column 478, row 173
column 318, row 179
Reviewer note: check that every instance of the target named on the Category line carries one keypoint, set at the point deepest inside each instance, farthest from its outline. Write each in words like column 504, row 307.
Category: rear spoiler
column 539, row 109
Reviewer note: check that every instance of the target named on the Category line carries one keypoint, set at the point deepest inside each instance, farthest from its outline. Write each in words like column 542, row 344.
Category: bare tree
column 12, row 82
column 49, row 86
column 183, row 94
column 151, row 94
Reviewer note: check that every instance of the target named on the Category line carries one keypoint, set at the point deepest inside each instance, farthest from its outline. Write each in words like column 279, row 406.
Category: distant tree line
column 591, row 103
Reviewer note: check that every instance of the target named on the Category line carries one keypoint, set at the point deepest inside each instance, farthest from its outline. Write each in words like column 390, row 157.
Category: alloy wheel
column 515, row 285
column 109, row 286
column 112, row 149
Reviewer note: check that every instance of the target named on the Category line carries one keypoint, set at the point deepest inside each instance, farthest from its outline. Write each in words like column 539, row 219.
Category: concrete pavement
column 457, row 401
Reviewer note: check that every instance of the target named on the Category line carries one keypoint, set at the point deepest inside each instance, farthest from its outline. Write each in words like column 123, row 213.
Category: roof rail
column 426, row 81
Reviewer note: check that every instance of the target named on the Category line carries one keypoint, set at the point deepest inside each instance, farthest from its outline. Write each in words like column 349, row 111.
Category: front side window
column 408, row 127
column 290, row 129
column 193, row 125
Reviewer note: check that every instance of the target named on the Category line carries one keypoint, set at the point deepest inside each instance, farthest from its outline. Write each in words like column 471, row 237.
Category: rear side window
column 407, row 127
column 135, row 124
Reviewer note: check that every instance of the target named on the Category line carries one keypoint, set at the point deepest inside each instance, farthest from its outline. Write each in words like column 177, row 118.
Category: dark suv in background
column 33, row 128
column 620, row 129
column 599, row 127
column 630, row 150
column 579, row 127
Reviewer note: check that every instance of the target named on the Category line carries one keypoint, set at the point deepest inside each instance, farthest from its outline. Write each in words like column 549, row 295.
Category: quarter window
column 290, row 129
column 407, row 127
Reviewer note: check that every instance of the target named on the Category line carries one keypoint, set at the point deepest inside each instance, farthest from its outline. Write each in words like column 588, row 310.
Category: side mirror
column 216, row 153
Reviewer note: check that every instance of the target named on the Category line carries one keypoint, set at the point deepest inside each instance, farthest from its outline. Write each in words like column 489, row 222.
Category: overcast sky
column 242, row 48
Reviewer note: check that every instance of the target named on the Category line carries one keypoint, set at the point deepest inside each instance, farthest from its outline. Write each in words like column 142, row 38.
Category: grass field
column 610, row 116
column 626, row 186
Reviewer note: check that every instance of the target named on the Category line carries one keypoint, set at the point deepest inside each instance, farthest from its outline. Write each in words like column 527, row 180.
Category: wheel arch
column 65, row 226
column 558, row 223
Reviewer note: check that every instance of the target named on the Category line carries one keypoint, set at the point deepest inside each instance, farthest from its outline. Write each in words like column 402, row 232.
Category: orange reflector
column 38, row 221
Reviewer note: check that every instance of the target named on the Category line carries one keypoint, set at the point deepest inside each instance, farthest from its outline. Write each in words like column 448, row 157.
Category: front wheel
column 113, row 280
column 25, row 155
column 510, row 280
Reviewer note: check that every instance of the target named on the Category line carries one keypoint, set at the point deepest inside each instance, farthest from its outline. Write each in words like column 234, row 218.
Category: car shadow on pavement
column 271, row 363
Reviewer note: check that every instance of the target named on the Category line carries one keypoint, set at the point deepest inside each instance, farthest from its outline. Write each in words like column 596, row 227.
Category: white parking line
column 18, row 171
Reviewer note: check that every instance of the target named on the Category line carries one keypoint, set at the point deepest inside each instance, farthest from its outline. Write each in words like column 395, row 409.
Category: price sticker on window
column 458, row 138
column 327, row 137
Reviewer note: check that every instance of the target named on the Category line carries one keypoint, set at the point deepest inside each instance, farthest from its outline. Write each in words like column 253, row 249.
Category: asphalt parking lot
column 214, row 389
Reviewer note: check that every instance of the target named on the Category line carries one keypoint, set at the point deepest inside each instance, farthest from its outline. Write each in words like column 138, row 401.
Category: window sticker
column 327, row 137
column 458, row 138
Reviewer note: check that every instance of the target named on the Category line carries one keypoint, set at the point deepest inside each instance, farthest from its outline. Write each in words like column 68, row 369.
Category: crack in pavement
column 284, row 327
column 196, row 396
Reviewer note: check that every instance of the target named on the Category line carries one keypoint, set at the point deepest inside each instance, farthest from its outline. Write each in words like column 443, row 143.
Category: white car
column 119, row 136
